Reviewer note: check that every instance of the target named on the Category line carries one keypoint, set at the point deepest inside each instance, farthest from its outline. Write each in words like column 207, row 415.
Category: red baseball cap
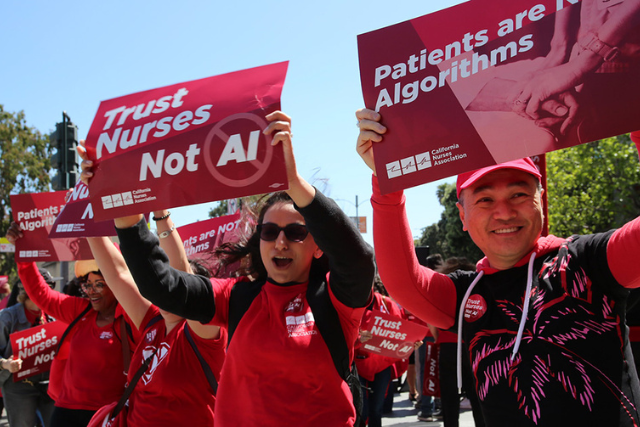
column 468, row 178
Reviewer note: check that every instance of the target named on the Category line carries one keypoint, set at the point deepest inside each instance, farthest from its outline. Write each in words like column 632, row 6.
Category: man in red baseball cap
column 543, row 318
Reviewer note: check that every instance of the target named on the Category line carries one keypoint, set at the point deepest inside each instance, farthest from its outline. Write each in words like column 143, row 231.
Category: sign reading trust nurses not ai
column 489, row 81
column 187, row 143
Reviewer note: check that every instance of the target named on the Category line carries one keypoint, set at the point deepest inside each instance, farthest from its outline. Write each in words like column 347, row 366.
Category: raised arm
column 427, row 294
column 114, row 270
column 62, row 307
column 175, row 291
column 623, row 249
column 350, row 259
column 171, row 243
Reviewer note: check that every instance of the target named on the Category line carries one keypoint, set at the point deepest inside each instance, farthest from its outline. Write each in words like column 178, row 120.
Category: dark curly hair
column 246, row 251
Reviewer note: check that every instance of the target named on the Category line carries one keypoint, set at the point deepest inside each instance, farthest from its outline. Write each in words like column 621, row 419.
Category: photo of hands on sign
column 593, row 41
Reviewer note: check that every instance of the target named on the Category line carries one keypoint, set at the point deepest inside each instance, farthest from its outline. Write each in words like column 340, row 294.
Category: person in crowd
column 175, row 373
column 26, row 401
column 375, row 370
column 428, row 406
column 279, row 369
column 5, row 292
column 543, row 316
column 89, row 370
column 447, row 340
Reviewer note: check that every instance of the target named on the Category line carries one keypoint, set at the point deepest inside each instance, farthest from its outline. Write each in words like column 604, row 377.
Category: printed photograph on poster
column 201, row 238
column 489, row 81
column 392, row 336
column 36, row 213
column 187, row 143
column 36, row 347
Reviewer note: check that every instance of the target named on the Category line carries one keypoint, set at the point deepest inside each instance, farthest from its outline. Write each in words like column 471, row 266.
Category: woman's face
column 287, row 260
column 98, row 293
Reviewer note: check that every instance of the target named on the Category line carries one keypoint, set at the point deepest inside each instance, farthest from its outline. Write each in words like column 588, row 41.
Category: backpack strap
column 328, row 323
column 205, row 366
column 71, row 325
column 240, row 299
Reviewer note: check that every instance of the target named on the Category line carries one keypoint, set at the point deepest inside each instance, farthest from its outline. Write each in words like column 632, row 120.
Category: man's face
column 502, row 212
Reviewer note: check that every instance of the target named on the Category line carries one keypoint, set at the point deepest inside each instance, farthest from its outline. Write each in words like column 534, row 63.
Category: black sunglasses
column 293, row 232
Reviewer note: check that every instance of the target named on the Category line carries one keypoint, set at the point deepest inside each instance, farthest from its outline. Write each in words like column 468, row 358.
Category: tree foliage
column 593, row 187
column 222, row 207
column 25, row 161
column 447, row 237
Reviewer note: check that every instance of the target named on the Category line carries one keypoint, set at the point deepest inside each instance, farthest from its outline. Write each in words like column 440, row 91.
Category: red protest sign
column 187, row 143
column 36, row 213
column 76, row 218
column 392, row 336
column 36, row 347
column 479, row 84
column 202, row 237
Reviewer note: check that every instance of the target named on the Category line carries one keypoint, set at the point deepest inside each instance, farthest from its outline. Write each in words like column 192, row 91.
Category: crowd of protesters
column 158, row 341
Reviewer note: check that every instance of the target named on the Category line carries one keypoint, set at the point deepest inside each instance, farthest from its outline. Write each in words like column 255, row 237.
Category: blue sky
column 71, row 55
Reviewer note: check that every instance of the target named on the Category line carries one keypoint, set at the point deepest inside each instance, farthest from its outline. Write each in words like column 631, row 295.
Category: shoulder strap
column 71, row 325
column 328, row 323
column 240, row 299
column 126, row 348
column 137, row 376
column 132, row 384
column 205, row 366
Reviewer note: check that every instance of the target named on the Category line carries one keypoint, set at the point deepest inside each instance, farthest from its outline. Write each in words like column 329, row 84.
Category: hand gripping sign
column 35, row 214
column 392, row 336
column 187, row 143
column 36, row 347
column 476, row 84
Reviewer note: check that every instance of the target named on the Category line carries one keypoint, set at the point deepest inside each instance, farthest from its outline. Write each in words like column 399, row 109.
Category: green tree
column 593, row 187
column 447, row 237
column 24, row 168
column 221, row 208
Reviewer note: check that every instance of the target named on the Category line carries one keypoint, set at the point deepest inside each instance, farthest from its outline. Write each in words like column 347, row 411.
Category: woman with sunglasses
column 278, row 369
column 89, row 370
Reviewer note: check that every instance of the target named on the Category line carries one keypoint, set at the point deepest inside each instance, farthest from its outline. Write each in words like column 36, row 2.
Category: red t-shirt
column 174, row 390
column 92, row 374
column 278, row 358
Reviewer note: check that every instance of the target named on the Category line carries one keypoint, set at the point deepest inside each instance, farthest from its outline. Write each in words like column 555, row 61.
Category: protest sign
column 479, row 84
column 202, row 237
column 36, row 213
column 76, row 218
column 5, row 246
column 392, row 336
column 187, row 143
column 36, row 347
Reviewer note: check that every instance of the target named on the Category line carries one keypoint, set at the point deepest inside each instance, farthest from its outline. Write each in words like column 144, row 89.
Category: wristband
column 162, row 217
column 165, row 234
column 594, row 44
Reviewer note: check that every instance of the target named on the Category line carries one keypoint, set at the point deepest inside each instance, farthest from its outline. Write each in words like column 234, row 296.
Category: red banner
column 202, row 237
column 431, row 382
column 76, row 218
column 36, row 347
column 479, row 84
column 36, row 213
column 392, row 335
column 187, row 143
